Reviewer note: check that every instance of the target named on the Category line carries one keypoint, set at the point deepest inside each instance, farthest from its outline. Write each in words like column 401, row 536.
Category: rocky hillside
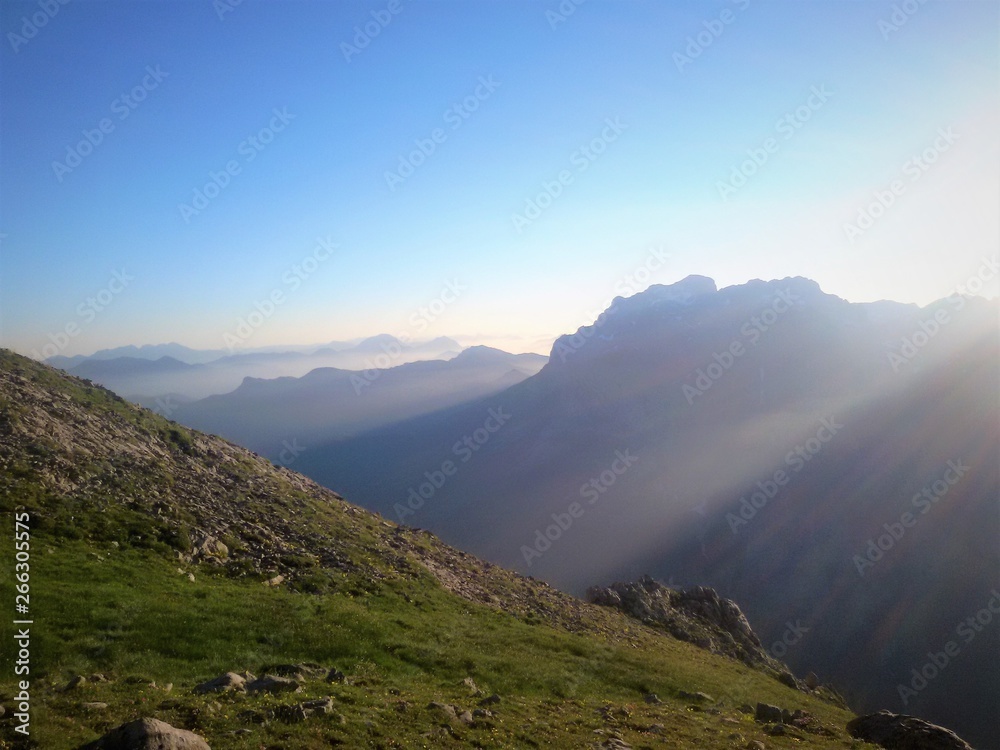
column 181, row 584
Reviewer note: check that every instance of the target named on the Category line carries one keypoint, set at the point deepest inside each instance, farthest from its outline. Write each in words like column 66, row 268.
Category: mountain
column 138, row 373
column 831, row 465
column 268, row 416
column 130, row 367
column 146, row 351
column 185, row 588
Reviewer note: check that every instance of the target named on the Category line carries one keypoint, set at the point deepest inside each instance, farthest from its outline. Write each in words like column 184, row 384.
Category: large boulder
column 148, row 734
column 697, row 615
column 900, row 732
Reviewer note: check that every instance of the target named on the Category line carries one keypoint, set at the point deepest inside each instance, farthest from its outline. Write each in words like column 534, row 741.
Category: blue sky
column 506, row 98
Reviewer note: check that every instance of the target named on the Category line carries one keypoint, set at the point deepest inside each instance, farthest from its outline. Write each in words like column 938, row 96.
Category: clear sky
column 626, row 121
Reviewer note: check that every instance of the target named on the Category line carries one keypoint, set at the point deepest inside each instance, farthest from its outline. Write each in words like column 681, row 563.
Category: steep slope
column 161, row 558
column 761, row 439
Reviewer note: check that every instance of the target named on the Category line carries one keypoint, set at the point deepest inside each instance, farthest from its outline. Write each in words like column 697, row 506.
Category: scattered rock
column 78, row 681
column 320, row 705
column 614, row 743
column 490, row 701
column 276, row 581
column 296, row 671
column 812, row 681
column 94, row 706
column 652, row 698
column 335, row 675
column 230, row 681
column 482, row 713
column 611, row 713
column 191, row 577
column 148, row 734
column 755, row 745
column 901, row 732
column 767, row 713
column 466, row 718
column 271, row 684
column 448, row 710
column 787, row 678
column 471, row 684
column 97, row 678
column 209, row 546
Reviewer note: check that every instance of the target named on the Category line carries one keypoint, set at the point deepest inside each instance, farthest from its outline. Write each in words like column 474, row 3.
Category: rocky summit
column 186, row 593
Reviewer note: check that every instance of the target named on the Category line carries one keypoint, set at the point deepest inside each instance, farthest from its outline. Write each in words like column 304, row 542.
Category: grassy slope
column 114, row 504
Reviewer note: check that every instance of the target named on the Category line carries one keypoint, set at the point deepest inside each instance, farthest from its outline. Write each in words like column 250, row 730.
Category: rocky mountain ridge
column 120, row 493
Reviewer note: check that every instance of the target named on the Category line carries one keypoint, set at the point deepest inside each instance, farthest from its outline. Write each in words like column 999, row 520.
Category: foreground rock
column 148, row 734
column 900, row 732
column 222, row 684
column 697, row 615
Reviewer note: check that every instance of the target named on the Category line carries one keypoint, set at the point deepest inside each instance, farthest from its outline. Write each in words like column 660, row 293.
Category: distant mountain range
column 833, row 465
column 194, row 595
column 269, row 416
column 150, row 374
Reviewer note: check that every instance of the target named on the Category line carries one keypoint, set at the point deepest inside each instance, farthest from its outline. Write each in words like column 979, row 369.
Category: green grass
column 115, row 494
column 134, row 618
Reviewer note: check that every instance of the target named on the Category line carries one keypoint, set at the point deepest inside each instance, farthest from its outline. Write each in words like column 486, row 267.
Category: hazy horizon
column 509, row 167
column 538, row 344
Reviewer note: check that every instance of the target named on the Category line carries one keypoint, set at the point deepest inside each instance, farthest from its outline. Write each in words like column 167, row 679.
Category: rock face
column 698, row 615
column 148, row 734
column 900, row 732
